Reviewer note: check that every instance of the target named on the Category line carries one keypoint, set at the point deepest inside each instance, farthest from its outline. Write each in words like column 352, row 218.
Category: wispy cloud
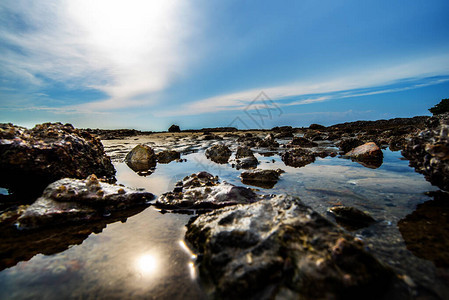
column 379, row 80
column 127, row 49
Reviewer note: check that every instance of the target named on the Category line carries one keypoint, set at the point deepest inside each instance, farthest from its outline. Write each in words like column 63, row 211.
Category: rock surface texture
column 73, row 200
column 281, row 248
column 261, row 178
column 204, row 191
column 141, row 158
column 49, row 152
column 428, row 152
column 218, row 153
column 298, row 157
column 167, row 156
column 245, row 158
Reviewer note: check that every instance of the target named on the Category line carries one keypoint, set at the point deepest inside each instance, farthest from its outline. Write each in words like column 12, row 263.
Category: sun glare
column 147, row 264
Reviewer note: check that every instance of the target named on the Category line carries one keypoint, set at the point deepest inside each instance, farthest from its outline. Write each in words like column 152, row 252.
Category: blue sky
column 147, row 64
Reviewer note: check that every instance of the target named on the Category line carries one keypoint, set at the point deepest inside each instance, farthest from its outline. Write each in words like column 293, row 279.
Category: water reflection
column 147, row 264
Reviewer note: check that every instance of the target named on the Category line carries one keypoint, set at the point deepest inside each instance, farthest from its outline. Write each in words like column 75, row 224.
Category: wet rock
column 351, row 218
column 268, row 142
column 261, row 178
column 368, row 153
column 428, row 152
column 174, row 128
column 426, row 230
column 245, row 158
column 243, row 152
column 249, row 140
column 298, row 157
column 74, row 200
column 46, row 153
column 141, row 158
column 203, row 191
column 167, row 156
column 282, row 135
column 317, row 126
column 347, row 145
column 218, row 153
column 301, row 142
column 280, row 246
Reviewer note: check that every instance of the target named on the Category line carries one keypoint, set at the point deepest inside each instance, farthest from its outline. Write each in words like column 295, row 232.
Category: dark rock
column 285, row 134
column 249, row 140
column 245, row 158
column 298, row 157
column 428, row 152
column 426, row 230
column 141, row 158
column 279, row 246
column 203, row 191
column 261, row 178
column 73, row 201
column 174, row 128
column 351, row 218
column 218, row 153
column 268, row 142
column 317, row 126
column 347, row 145
column 167, row 156
column 46, row 153
column 301, row 142
column 243, row 152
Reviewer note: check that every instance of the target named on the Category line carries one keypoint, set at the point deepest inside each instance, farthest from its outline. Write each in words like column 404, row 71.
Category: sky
column 248, row 64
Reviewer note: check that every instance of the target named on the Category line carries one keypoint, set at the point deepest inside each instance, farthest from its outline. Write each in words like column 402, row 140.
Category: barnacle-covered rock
column 218, row 153
column 298, row 157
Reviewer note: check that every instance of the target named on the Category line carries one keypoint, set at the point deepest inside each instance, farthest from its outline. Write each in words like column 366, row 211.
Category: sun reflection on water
column 147, row 264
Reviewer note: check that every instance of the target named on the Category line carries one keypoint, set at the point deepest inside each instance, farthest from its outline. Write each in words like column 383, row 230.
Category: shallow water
column 145, row 257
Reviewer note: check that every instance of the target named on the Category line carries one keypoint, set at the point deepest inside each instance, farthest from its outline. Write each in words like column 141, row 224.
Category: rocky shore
column 251, row 243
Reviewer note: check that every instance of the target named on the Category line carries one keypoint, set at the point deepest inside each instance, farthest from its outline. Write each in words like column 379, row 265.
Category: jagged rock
column 167, row 156
column 268, row 142
column 174, row 128
column 218, row 153
column 73, row 200
column 203, row 191
column 426, row 230
column 428, row 152
column 301, row 142
column 141, row 158
column 351, row 218
column 46, row 153
column 347, row 145
column 245, row 158
column 279, row 246
column 298, row 157
column 367, row 153
column 243, row 152
column 261, row 178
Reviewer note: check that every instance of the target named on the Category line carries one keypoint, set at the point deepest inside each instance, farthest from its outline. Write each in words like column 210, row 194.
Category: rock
column 301, row 142
column 426, row 230
column 279, row 246
column 351, row 218
column 141, row 158
column 298, row 157
column 261, row 178
column 245, row 158
column 317, row 127
column 368, row 153
column 174, row 128
column 218, row 153
column 203, row 191
column 46, row 153
column 285, row 134
column 347, row 145
column 268, row 142
column 167, row 156
column 428, row 151
column 73, row 200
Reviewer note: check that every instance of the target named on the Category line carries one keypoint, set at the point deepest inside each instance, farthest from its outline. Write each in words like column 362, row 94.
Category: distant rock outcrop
column 174, row 128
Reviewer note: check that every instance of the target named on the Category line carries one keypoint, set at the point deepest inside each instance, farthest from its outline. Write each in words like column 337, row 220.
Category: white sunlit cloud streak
column 129, row 50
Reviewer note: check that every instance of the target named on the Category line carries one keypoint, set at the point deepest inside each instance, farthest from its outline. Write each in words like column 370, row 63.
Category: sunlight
column 147, row 264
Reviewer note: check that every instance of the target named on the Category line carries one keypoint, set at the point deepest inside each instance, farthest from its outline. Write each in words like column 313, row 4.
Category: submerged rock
column 204, row 191
column 426, row 230
column 167, row 156
column 279, row 246
column 368, row 154
column 141, row 158
column 351, row 218
column 48, row 152
column 428, row 152
column 218, row 153
column 73, row 200
column 261, row 178
column 298, row 157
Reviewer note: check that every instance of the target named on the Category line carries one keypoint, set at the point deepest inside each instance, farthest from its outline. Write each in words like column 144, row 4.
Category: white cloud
column 343, row 86
column 126, row 49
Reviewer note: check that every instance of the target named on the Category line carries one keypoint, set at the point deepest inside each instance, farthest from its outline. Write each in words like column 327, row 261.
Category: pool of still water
column 146, row 257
